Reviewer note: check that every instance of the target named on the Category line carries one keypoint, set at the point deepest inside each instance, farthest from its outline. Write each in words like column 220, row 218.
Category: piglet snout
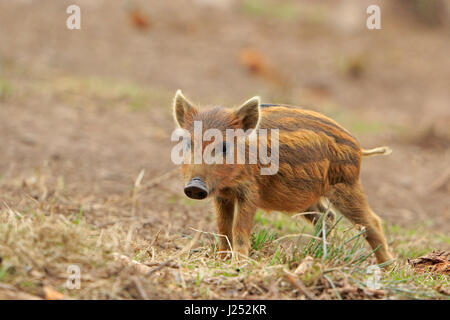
column 196, row 189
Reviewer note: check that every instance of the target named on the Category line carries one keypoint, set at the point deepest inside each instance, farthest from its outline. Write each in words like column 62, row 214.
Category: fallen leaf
column 253, row 60
column 258, row 64
column 304, row 266
column 139, row 20
column 51, row 294
column 443, row 290
column 435, row 262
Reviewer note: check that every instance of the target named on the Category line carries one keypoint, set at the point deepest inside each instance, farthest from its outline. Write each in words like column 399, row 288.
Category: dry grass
column 126, row 259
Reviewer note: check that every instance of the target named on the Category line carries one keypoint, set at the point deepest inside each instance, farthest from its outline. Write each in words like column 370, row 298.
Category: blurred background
column 85, row 111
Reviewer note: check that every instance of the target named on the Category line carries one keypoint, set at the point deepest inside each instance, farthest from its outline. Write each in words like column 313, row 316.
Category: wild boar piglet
column 274, row 157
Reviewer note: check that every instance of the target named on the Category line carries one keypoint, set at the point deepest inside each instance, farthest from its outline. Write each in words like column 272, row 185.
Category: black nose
column 196, row 189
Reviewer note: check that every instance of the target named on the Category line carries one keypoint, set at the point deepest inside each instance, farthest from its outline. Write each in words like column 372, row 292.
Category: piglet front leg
column 225, row 215
column 242, row 228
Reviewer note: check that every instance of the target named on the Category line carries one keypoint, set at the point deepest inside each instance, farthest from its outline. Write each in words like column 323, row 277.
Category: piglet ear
column 249, row 114
column 183, row 109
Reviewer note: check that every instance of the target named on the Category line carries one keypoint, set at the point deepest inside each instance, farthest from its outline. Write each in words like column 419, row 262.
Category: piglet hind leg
column 351, row 201
column 314, row 213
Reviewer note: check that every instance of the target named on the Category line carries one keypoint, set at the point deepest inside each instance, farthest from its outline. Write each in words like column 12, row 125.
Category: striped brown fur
column 317, row 158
